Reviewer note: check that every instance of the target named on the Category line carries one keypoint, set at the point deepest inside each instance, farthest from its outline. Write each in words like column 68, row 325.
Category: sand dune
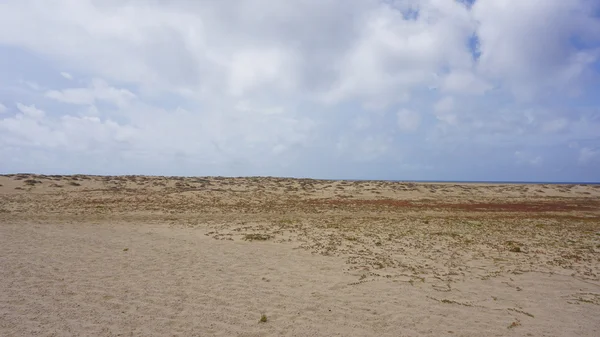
column 155, row 256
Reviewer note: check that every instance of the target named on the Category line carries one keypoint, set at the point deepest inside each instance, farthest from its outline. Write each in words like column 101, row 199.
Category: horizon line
column 326, row 179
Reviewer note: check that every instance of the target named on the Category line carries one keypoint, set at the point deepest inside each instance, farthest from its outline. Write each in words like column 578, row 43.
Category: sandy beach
column 170, row 256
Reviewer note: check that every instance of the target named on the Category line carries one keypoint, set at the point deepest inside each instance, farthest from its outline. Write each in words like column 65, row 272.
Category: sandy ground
column 156, row 256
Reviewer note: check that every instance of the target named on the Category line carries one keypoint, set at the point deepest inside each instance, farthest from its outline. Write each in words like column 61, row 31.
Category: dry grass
column 257, row 237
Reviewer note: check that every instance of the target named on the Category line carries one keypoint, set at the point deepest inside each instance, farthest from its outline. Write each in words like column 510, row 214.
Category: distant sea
column 485, row 182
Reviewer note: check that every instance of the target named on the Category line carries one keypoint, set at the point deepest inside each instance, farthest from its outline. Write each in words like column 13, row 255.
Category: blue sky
column 361, row 89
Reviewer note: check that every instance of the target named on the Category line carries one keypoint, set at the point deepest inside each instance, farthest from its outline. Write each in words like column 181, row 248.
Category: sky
column 485, row 90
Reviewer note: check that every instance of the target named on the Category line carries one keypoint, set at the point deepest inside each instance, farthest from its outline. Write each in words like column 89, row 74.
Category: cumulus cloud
column 99, row 90
column 30, row 111
column 263, row 87
column 32, row 85
column 392, row 56
column 465, row 82
column 66, row 75
column 443, row 110
column 528, row 45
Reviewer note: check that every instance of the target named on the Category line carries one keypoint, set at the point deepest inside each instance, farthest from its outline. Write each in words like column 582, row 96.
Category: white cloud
column 2, row 108
column 527, row 45
column 30, row 111
column 464, row 82
column 66, row 75
column 31, row 84
column 257, row 68
column 408, row 120
column 354, row 49
column 392, row 56
column 72, row 133
column 99, row 90
column 443, row 110
column 151, row 134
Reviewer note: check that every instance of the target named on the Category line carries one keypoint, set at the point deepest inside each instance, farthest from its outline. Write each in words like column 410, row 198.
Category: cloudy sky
column 363, row 89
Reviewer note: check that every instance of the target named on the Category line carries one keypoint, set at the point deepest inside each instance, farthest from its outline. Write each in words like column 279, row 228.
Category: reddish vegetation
column 526, row 207
column 384, row 202
column 550, row 206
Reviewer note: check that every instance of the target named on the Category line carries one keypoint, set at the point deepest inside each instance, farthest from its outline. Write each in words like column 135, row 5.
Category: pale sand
column 128, row 256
